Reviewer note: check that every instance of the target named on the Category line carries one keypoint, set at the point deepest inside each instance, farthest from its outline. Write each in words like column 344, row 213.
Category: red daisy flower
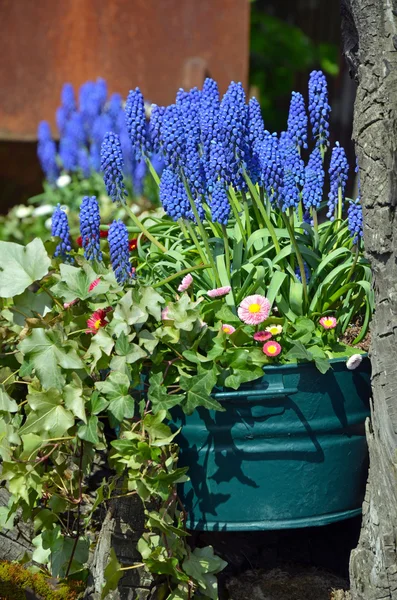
column 104, row 234
column 97, row 320
column 133, row 244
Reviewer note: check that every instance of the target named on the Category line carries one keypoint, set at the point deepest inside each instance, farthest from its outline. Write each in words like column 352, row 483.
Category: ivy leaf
column 7, row 404
column 151, row 302
column 128, row 312
column 199, row 390
column 47, row 414
column 29, row 304
column 159, row 397
column 89, row 432
column 148, row 340
column 48, row 352
column 75, row 282
column 202, row 565
column 115, row 388
column 183, row 313
column 112, row 574
column 73, row 396
column 101, row 343
column 20, row 266
column 239, row 376
column 122, row 346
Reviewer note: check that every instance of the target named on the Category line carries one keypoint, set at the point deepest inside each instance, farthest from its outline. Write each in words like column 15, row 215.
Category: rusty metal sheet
column 159, row 45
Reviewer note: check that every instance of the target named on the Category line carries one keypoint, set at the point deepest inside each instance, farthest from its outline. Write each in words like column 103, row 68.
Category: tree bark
column 370, row 32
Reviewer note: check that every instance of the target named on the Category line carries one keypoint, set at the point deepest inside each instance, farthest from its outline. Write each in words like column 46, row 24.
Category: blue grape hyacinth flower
column 60, row 228
column 220, row 207
column 319, row 109
column 112, row 165
column 90, row 221
column 297, row 120
column 173, row 196
column 338, row 175
column 271, row 165
column 312, row 193
column 156, row 119
column 172, row 137
column 120, row 252
column 135, row 118
column 355, row 220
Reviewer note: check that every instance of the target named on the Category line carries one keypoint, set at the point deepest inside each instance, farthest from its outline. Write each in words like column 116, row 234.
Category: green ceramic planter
column 289, row 451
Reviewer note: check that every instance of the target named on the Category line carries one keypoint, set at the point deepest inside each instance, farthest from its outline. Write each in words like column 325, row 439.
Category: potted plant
column 228, row 332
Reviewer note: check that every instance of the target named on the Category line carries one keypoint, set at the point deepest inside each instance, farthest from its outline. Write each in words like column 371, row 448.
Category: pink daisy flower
column 69, row 304
column 97, row 320
column 272, row 348
column 354, row 361
column 254, row 309
column 228, row 328
column 186, row 283
column 328, row 322
column 262, row 336
column 219, row 292
column 164, row 313
column 93, row 284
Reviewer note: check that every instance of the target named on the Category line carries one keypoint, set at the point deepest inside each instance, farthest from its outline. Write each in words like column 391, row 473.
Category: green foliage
column 15, row 579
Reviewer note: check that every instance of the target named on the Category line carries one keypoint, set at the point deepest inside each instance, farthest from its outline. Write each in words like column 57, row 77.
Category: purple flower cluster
column 112, row 167
column 338, row 175
column 297, row 120
column 60, row 229
column 173, row 196
column 82, row 126
column 355, row 220
column 319, row 109
column 120, row 252
column 314, row 181
column 90, row 221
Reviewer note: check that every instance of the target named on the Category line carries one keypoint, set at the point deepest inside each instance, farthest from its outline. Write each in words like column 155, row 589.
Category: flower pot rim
column 306, row 364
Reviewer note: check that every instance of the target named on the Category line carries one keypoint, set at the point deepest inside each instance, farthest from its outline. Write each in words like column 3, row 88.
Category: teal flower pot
column 289, row 451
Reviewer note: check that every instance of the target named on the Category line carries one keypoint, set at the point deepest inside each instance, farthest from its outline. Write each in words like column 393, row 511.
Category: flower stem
column 340, row 206
column 203, row 233
column 143, row 229
column 152, row 171
column 196, row 243
column 233, row 203
column 298, row 256
column 227, row 251
column 262, row 210
column 180, row 274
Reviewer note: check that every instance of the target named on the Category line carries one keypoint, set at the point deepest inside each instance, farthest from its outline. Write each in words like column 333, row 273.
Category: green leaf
column 151, row 302
column 299, row 351
column 73, row 396
column 112, row 575
column 101, row 343
column 7, row 404
column 276, row 282
column 129, row 312
column 115, row 388
column 30, row 304
column 199, row 390
column 48, row 352
column 122, row 346
column 158, row 395
column 89, row 432
column 47, row 414
column 75, row 282
column 183, row 313
column 20, row 266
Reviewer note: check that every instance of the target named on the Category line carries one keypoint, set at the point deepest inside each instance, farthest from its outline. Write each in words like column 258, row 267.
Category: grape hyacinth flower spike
column 220, row 207
column 135, row 118
column 112, row 166
column 314, row 181
column 120, row 252
column 89, row 228
column 297, row 120
column 60, row 228
column 338, row 175
column 319, row 109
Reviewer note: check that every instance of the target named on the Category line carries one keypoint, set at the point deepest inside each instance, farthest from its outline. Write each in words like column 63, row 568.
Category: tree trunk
column 370, row 32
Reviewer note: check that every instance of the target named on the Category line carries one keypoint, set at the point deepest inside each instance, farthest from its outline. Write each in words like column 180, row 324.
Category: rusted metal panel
column 159, row 45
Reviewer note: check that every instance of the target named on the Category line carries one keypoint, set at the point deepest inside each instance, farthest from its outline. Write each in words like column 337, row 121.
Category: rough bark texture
column 370, row 28
column 121, row 529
